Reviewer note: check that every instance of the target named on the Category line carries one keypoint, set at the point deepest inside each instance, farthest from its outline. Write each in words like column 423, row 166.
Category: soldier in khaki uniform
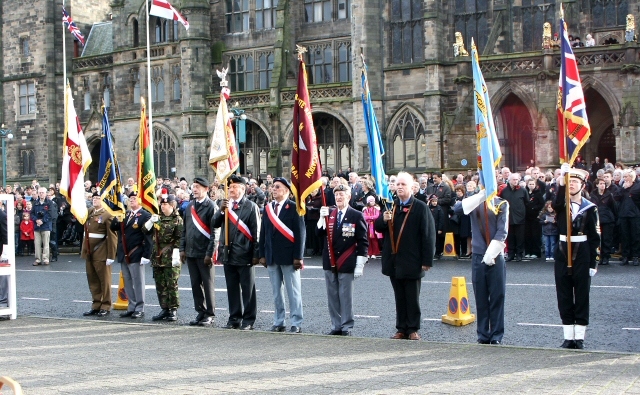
column 99, row 246
column 165, row 259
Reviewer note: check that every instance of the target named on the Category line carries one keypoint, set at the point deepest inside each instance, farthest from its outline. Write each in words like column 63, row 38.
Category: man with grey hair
column 518, row 198
column 356, row 191
column 42, row 217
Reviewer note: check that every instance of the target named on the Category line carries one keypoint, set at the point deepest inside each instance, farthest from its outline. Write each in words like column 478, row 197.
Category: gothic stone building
column 422, row 92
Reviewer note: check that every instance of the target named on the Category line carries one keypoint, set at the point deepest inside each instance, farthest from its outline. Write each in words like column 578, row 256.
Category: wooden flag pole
column 567, row 197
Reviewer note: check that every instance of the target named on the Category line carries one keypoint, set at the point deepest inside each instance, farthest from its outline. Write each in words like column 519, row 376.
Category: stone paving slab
column 67, row 356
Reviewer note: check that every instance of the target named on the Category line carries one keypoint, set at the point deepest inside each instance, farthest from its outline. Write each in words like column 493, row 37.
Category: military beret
column 133, row 193
column 95, row 193
column 283, row 181
column 168, row 199
column 201, row 181
column 234, row 179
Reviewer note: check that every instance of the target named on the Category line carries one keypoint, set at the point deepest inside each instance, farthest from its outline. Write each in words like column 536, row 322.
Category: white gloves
column 564, row 168
column 148, row 225
column 155, row 218
column 324, row 212
column 109, row 262
column 144, row 261
column 592, row 272
column 495, row 248
column 360, row 261
column 175, row 258
column 469, row 204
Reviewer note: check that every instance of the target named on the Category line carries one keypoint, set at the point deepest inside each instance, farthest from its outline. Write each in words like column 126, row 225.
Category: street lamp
column 4, row 135
column 241, row 128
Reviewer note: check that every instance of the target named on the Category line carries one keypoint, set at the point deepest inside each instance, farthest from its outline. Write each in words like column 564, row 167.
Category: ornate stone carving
column 546, row 36
column 630, row 30
column 458, row 47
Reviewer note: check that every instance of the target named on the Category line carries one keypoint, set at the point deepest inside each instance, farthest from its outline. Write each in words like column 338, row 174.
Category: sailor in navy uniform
column 572, row 289
column 344, row 259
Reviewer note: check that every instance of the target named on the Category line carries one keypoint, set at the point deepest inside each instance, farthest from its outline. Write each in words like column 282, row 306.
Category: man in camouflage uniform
column 166, row 267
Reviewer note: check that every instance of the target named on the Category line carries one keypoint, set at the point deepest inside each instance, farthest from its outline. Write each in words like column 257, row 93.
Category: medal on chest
column 135, row 224
column 348, row 230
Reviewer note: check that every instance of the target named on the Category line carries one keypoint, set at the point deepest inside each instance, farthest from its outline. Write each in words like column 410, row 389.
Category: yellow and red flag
column 76, row 158
column 306, row 169
column 223, row 156
column 146, row 172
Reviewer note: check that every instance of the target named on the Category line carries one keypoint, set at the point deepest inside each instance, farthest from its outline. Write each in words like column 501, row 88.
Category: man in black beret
column 196, row 248
column 240, row 255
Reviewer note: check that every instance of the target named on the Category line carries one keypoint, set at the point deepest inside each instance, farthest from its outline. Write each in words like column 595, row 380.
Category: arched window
column 609, row 13
column 164, row 153
column 534, row 14
column 407, row 31
column 157, row 85
column 28, row 157
column 344, row 62
column 409, row 144
column 136, row 33
column 334, row 142
column 255, row 151
column 161, row 30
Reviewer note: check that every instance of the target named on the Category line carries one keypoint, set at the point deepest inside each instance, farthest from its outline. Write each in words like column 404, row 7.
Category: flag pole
column 567, row 194
column 64, row 56
column 149, row 110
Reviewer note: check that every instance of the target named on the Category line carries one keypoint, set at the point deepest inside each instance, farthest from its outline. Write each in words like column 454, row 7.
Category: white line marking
column 179, row 288
column 631, row 329
column 613, row 286
column 49, row 271
column 221, row 308
column 531, row 324
column 82, row 301
column 432, row 319
column 33, row 298
column 366, row 316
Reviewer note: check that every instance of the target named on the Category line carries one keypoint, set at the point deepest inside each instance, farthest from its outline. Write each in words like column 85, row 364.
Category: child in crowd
column 549, row 223
column 438, row 217
column 26, row 234
column 371, row 212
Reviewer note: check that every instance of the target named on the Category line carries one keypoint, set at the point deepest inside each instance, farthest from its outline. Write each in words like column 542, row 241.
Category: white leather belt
column 97, row 235
column 574, row 239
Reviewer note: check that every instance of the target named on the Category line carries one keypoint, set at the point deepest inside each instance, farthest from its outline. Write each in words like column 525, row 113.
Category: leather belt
column 97, row 235
column 574, row 239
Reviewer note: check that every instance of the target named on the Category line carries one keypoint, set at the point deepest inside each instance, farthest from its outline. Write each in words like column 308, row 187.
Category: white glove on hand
column 564, row 169
column 495, row 248
column 144, row 261
column 592, row 272
column 109, row 262
column 149, row 224
column 175, row 258
column 469, row 204
column 360, row 261
column 324, row 211
column 155, row 218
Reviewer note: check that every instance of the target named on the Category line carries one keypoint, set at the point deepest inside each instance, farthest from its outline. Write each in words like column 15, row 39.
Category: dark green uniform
column 166, row 234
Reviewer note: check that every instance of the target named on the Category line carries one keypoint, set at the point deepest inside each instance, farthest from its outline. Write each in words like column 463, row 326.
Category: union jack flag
column 71, row 25
column 573, row 125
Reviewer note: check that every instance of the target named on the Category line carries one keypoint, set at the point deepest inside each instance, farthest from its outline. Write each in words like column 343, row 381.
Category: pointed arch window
column 407, row 31
column 334, row 142
column 409, row 143
column 164, row 153
column 136, row 33
column 162, row 35
column 609, row 13
column 255, row 150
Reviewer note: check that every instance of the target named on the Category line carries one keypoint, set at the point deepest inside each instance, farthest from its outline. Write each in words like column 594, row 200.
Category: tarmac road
column 531, row 316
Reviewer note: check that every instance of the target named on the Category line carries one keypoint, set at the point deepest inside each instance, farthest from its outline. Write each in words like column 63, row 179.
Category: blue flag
column 376, row 148
column 489, row 154
column 109, row 173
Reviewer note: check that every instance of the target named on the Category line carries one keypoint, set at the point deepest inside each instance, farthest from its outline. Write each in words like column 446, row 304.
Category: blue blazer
column 341, row 242
column 139, row 243
column 276, row 248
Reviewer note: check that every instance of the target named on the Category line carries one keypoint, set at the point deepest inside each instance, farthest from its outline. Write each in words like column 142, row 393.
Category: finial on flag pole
column 223, row 76
column 300, row 50
column 561, row 11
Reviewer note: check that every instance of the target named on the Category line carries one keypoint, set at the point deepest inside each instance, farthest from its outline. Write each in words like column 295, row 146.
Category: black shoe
column 346, row 333
column 496, row 342
column 232, row 326
column 103, row 313
column 278, row 328
column 518, row 258
column 173, row 315
column 483, row 341
column 295, row 329
column 336, row 332
column 54, row 259
column 635, row 262
column 137, row 314
column 624, row 261
column 161, row 315
column 206, row 321
column 90, row 312
column 126, row 314
column 199, row 317
column 568, row 344
column 509, row 258
column 579, row 344
column 248, row 327
column 604, row 262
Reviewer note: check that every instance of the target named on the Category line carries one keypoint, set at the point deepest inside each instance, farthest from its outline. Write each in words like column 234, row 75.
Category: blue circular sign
column 448, row 248
column 463, row 162
column 453, row 305
column 464, row 305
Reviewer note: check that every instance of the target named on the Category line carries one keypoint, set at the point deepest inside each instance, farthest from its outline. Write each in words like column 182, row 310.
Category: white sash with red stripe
column 200, row 224
column 278, row 224
column 242, row 227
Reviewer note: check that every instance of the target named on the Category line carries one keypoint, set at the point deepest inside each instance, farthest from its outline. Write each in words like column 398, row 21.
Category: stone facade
column 421, row 92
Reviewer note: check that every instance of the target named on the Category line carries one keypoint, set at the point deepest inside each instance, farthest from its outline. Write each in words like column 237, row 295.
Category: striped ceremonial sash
column 279, row 225
column 199, row 223
column 242, row 227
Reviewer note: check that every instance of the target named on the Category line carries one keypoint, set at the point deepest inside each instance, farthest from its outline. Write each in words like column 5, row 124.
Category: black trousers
column 606, row 239
column 202, row 286
column 407, row 295
column 241, row 292
column 515, row 240
column 533, row 237
column 630, row 235
column 572, row 292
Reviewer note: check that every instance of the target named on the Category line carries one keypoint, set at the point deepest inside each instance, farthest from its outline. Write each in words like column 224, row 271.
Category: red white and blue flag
column 71, row 25
column 573, row 125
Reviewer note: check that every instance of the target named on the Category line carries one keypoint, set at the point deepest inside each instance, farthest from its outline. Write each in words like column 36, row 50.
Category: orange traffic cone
column 458, row 312
column 123, row 302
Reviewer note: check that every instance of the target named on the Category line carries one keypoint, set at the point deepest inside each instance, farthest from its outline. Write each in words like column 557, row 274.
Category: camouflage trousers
column 167, row 286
